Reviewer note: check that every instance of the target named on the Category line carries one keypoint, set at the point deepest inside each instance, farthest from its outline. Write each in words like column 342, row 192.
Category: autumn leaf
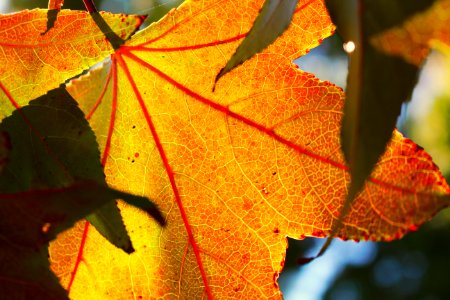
column 413, row 39
column 52, row 178
column 234, row 171
column 31, row 63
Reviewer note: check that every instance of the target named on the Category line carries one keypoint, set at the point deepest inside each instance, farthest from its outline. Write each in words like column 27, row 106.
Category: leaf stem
column 90, row 6
column 112, row 37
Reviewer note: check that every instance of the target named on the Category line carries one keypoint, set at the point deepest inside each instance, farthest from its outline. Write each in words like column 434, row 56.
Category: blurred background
column 415, row 267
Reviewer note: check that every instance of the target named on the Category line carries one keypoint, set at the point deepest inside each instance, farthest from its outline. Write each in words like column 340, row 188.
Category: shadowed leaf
column 55, row 4
column 29, row 220
column 413, row 39
column 377, row 83
column 53, row 147
column 5, row 149
column 52, row 179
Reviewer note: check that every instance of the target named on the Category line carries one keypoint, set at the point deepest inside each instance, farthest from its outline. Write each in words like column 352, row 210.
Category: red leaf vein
column 169, row 172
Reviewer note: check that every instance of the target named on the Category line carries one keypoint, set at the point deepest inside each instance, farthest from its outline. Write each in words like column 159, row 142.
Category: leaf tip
column 219, row 75
column 52, row 15
column 141, row 18
column 156, row 214
column 129, row 248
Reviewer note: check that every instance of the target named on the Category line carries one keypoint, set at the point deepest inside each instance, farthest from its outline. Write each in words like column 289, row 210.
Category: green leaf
column 377, row 83
column 5, row 149
column 51, row 179
column 30, row 220
column 272, row 21
column 54, row 147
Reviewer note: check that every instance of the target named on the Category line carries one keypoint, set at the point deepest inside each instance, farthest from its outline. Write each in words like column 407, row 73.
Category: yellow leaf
column 31, row 62
column 413, row 39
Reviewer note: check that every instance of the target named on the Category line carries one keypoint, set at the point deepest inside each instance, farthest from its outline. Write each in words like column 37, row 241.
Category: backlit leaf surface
column 31, row 62
column 414, row 38
column 234, row 171
column 55, row 4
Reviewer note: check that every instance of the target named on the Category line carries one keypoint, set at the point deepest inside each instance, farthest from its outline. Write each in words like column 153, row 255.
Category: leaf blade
column 5, row 149
column 370, row 112
column 49, row 147
column 64, row 150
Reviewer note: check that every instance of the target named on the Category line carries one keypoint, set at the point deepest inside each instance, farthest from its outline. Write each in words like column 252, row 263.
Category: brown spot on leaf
column 275, row 278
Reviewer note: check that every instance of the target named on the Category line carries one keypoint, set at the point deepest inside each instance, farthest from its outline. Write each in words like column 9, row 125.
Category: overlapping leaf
column 235, row 170
column 370, row 112
column 413, row 39
column 29, row 220
column 52, row 178
column 273, row 19
column 54, row 6
column 31, row 62
column 53, row 147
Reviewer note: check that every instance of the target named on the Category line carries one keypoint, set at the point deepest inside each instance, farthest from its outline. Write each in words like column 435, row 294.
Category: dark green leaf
column 377, row 84
column 5, row 149
column 30, row 220
column 51, row 179
column 53, row 147
column 272, row 21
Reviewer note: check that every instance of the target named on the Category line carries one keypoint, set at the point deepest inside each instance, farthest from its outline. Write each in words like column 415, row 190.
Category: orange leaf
column 31, row 63
column 234, row 171
column 55, row 4
column 416, row 36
